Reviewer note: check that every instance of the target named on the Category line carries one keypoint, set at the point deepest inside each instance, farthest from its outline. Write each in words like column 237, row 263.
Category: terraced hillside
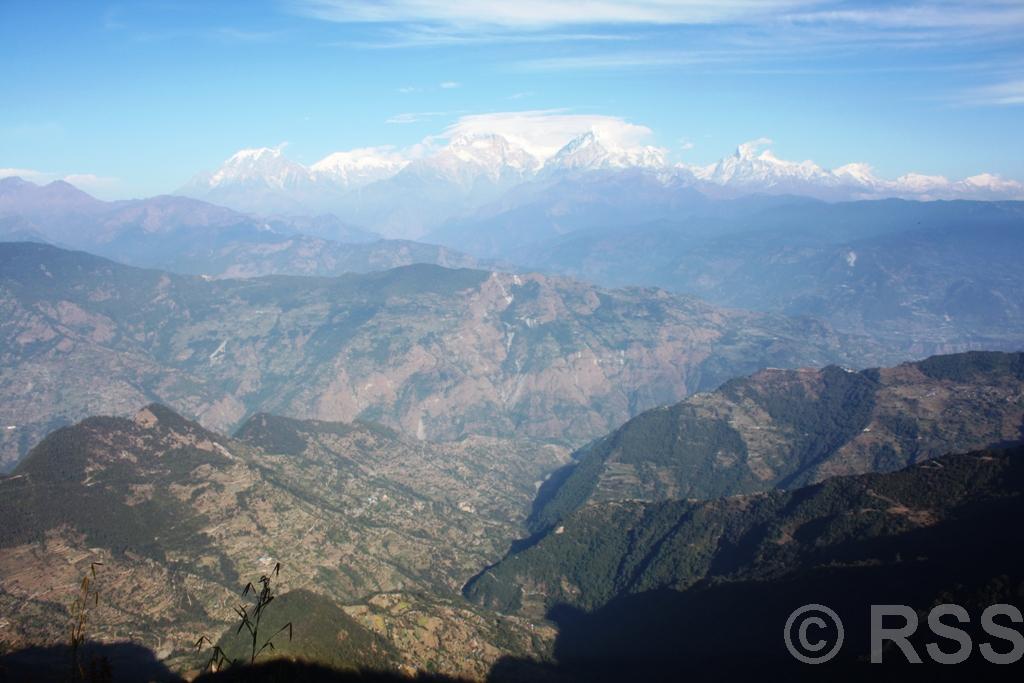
column 382, row 528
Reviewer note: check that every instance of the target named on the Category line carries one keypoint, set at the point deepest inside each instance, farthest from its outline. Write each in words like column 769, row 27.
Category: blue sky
column 132, row 99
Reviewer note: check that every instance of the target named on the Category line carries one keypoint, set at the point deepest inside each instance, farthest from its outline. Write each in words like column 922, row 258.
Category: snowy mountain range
column 754, row 169
column 401, row 194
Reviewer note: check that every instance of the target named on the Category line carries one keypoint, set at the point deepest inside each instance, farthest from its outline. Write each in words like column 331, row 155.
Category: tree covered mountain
column 703, row 590
column 680, row 543
column 67, row 215
column 433, row 352
column 929, row 523
column 789, row 428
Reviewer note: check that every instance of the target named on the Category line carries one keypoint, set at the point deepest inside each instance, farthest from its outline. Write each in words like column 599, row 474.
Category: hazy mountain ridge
column 434, row 352
column 539, row 211
column 302, row 255
column 940, row 275
column 921, row 277
column 925, row 277
column 190, row 236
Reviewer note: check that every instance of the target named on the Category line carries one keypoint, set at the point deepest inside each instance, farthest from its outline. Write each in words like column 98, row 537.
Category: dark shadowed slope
column 935, row 530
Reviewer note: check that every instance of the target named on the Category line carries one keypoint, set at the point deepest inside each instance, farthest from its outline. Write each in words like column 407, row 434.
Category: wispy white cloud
column 449, row 85
column 937, row 25
column 998, row 94
column 418, row 36
column 976, row 14
column 755, row 32
column 764, row 52
column 542, row 13
column 443, row 20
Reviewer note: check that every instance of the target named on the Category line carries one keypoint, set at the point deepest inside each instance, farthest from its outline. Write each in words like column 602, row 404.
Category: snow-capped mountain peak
column 980, row 186
column 471, row 158
column 755, row 168
column 253, row 155
column 754, row 164
column 359, row 167
column 492, row 151
column 592, row 151
column 260, row 166
column 919, row 183
column 858, row 172
column 992, row 182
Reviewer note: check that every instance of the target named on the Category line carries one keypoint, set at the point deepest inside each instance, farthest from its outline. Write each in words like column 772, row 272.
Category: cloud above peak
column 750, row 148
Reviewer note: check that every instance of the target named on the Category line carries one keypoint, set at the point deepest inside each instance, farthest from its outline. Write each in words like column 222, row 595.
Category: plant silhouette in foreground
column 249, row 619
column 87, row 598
column 218, row 658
